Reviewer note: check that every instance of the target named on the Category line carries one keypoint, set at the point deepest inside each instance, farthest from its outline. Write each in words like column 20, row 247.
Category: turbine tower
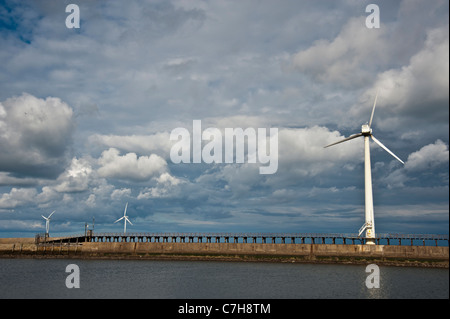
column 125, row 219
column 47, row 222
column 366, row 131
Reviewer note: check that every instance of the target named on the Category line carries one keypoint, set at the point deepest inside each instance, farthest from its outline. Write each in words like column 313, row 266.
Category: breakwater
column 425, row 256
column 283, row 238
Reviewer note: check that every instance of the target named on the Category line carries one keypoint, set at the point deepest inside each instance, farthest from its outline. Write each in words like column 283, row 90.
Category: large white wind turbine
column 125, row 219
column 366, row 131
column 47, row 222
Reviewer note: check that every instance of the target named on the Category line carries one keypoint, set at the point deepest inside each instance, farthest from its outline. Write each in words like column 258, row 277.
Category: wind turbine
column 366, row 131
column 125, row 219
column 47, row 222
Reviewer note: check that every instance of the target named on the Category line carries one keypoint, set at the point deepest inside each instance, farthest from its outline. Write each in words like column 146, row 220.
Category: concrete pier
column 317, row 250
column 133, row 247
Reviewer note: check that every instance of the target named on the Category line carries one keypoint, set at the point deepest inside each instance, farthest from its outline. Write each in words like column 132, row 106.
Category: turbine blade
column 120, row 219
column 386, row 149
column 373, row 109
column 51, row 214
column 44, row 217
column 346, row 139
column 125, row 211
column 127, row 220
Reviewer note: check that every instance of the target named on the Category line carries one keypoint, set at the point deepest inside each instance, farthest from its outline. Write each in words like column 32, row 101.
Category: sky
column 86, row 115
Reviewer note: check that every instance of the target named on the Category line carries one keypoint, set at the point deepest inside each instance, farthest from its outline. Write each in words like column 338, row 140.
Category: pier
column 392, row 249
column 254, row 238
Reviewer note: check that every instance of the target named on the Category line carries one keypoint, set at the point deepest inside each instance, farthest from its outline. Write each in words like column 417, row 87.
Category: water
column 46, row 278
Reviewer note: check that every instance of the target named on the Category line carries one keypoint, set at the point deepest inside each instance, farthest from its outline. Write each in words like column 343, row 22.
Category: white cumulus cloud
column 428, row 157
column 17, row 197
column 130, row 166
column 76, row 177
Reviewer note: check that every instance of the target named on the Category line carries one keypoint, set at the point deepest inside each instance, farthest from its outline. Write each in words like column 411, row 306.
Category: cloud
column 6, row 179
column 348, row 60
column 76, row 177
column 35, row 135
column 48, row 195
column 166, row 186
column 419, row 90
column 240, row 179
column 302, row 161
column 423, row 165
column 428, row 157
column 22, row 225
column 303, row 158
column 119, row 193
column 17, row 197
column 306, row 145
column 158, row 143
column 90, row 202
column 130, row 166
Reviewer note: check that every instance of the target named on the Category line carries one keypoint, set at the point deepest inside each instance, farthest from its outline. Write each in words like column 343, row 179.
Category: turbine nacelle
column 366, row 130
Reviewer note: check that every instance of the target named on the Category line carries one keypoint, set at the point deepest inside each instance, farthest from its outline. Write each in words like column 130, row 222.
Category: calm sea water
column 46, row 278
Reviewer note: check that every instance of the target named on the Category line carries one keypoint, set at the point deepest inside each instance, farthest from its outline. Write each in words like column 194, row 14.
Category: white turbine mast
column 125, row 219
column 47, row 222
column 366, row 131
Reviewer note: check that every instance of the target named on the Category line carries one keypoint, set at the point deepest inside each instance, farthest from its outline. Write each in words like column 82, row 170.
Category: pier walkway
column 282, row 238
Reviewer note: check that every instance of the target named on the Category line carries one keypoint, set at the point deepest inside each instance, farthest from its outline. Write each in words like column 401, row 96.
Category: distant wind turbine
column 366, row 131
column 125, row 219
column 47, row 221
